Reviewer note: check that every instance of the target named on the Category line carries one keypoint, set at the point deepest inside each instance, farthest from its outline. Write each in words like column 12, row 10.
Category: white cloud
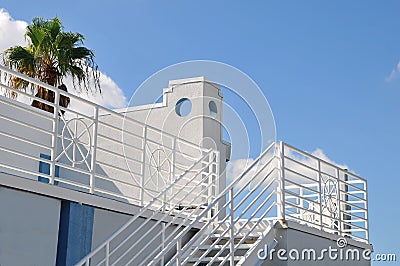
column 320, row 154
column 394, row 74
column 111, row 97
column 12, row 34
column 11, row 31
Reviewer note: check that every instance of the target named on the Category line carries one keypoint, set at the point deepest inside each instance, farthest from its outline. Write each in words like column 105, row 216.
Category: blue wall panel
column 75, row 232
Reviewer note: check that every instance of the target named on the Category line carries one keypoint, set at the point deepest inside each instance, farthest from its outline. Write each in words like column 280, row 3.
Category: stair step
column 225, row 238
column 221, row 250
column 208, row 259
column 241, row 246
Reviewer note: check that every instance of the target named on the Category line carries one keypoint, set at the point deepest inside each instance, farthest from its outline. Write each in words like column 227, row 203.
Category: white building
column 146, row 186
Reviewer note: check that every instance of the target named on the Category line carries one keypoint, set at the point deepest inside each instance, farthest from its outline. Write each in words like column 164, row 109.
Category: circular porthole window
column 183, row 107
column 213, row 109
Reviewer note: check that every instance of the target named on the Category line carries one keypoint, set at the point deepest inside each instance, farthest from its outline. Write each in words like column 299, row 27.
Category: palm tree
column 51, row 55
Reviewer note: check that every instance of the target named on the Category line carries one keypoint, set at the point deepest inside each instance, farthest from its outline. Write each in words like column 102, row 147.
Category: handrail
column 144, row 209
column 348, row 220
column 242, row 201
column 47, row 86
column 203, row 213
column 99, row 121
column 329, row 206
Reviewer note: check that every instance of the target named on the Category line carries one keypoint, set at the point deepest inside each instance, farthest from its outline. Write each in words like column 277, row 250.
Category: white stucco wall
column 28, row 228
column 200, row 126
column 302, row 238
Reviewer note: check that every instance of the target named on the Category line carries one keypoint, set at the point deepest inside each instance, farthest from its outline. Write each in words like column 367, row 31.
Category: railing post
column 281, row 183
column 365, row 187
column 211, row 180
column 217, row 180
column 341, row 215
column 178, row 252
column 54, row 138
column 301, row 201
column 320, row 188
column 173, row 164
column 232, row 229
column 144, row 166
column 163, row 242
column 94, row 151
column 107, row 253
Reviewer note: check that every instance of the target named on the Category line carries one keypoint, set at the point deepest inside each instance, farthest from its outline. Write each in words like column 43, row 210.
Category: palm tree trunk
column 49, row 96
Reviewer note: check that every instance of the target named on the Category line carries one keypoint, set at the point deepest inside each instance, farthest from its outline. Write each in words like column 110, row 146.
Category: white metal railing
column 322, row 195
column 140, row 238
column 283, row 183
column 89, row 148
column 251, row 206
column 177, row 187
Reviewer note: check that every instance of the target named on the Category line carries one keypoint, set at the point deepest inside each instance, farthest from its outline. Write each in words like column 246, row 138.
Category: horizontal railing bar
column 25, row 125
column 117, row 154
column 24, row 170
column 38, row 159
column 297, row 173
column 25, row 140
column 345, row 193
column 304, row 196
column 72, row 168
column 103, row 123
column 139, row 149
column 27, row 108
column 296, row 196
column 321, row 160
column 353, row 215
column 294, row 161
column 354, row 225
column 355, row 206
column 356, row 192
column 307, row 185
column 352, row 186
column 301, row 186
column 72, row 183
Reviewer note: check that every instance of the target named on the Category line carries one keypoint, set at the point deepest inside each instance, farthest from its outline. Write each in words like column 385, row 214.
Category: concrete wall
column 28, row 228
column 302, row 238
column 42, row 230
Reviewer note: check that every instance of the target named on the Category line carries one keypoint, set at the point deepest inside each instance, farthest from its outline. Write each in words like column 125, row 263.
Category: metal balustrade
column 283, row 183
column 176, row 187
column 322, row 195
column 90, row 148
column 134, row 238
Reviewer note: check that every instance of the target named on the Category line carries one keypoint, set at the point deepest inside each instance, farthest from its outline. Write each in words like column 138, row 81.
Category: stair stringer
column 267, row 239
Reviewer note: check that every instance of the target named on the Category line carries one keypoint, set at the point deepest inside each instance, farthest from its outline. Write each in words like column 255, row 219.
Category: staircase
column 227, row 235
column 215, row 249
column 283, row 183
column 190, row 221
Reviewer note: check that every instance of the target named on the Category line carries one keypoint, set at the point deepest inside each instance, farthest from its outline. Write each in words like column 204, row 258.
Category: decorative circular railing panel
column 75, row 135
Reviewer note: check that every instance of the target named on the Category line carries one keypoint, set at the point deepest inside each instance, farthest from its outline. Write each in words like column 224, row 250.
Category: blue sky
column 328, row 69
